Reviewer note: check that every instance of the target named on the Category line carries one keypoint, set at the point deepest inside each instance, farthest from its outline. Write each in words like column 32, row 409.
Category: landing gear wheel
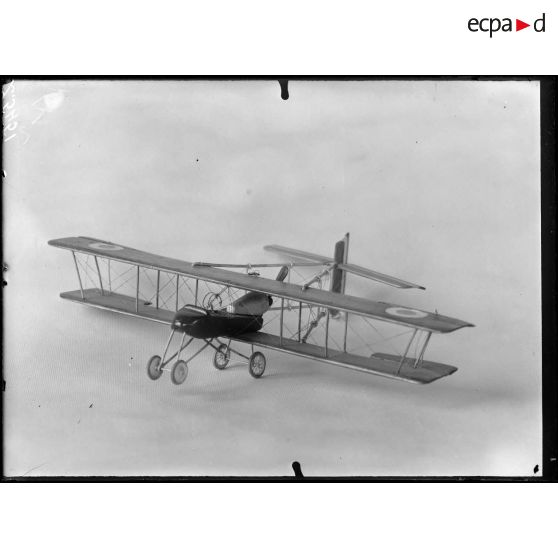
column 256, row 364
column 221, row 357
column 153, row 370
column 179, row 372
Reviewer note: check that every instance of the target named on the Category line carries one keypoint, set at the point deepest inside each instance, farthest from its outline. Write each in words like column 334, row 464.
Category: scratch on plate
column 48, row 103
column 33, row 468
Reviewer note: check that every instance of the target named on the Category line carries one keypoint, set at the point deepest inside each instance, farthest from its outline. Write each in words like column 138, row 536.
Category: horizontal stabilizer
column 298, row 254
column 377, row 276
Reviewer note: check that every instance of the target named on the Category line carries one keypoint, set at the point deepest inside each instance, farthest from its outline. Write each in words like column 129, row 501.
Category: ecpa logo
column 492, row 25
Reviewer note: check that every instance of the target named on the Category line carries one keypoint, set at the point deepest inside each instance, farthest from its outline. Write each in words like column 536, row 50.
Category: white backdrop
column 438, row 183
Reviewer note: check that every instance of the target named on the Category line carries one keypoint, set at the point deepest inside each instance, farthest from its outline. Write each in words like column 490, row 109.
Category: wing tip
column 57, row 241
column 461, row 326
column 405, row 286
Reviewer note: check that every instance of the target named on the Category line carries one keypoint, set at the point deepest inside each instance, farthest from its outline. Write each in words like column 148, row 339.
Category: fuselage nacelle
column 208, row 324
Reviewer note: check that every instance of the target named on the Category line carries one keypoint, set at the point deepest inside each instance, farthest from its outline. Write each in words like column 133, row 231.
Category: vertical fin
column 339, row 276
column 340, row 256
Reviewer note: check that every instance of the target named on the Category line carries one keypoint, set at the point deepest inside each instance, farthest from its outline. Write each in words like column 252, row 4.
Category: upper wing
column 346, row 303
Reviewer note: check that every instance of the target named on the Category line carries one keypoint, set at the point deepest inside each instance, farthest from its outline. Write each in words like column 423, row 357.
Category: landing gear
column 222, row 357
column 153, row 367
column 256, row 364
column 179, row 372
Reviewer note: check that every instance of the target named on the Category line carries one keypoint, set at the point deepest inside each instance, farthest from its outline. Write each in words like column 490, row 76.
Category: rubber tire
column 256, row 373
column 179, row 372
column 153, row 370
column 226, row 353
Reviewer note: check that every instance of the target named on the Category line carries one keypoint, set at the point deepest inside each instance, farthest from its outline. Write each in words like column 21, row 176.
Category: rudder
column 340, row 256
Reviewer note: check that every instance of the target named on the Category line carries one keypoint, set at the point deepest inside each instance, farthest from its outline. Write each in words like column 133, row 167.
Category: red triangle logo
column 519, row 25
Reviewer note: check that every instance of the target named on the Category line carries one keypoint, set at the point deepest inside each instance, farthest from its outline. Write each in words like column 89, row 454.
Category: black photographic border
column 548, row 86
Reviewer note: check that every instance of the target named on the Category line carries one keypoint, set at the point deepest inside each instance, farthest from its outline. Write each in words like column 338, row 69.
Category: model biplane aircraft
column 305, row 315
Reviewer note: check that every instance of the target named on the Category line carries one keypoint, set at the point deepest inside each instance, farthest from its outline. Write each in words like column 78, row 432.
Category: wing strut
column 419, row 359
column 319, row 276
column 326, row 332
column 313, row 325
column 158, row 285
column 281, row 322
column 345, row 335
column 79, row 276
column 99, row 273
column 137, row 288
column 406, row 351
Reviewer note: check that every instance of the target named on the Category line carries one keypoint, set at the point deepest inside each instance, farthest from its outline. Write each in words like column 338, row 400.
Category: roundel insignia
column 405, row 312
column 104, row 246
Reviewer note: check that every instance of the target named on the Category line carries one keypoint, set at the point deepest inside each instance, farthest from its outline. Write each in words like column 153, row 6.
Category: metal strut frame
column 99, row 273
column 177, row 353
column 313, row 324
column 158, row 285
column 281, row 322
column 104, row 280
column 326, row 331
column 406, row 351
column 421, row 355
column 345, row 335
column 207, row 343
column 177, row 284
column 137, row 287
column 79, row 276
column 163, row 362
column 181, row 348
column 319, row 276
column 299, row 319
column 230, row 349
